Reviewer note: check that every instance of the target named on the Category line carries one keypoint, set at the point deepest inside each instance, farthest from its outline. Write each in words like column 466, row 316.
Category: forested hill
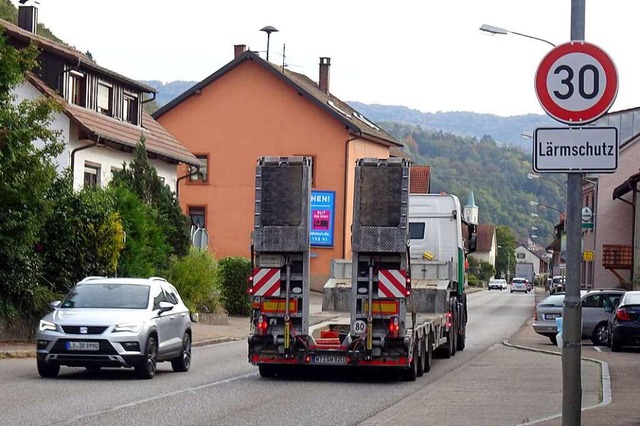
column 505, row 130
column 496, row 174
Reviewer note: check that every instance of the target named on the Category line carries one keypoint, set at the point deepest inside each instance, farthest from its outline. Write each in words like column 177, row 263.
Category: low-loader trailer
column 404, row 283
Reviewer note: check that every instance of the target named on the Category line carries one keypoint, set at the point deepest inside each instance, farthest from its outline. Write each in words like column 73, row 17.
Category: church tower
column 471, row 210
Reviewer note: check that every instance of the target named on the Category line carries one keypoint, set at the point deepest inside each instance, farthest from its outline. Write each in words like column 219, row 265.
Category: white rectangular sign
column 575, row 149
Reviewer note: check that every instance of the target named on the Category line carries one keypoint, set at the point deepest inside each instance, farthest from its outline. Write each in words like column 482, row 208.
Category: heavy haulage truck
column 400, row 298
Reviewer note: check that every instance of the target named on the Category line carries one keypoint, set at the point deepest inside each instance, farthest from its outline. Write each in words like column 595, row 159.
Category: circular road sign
column 576, row 82
column 587, row 214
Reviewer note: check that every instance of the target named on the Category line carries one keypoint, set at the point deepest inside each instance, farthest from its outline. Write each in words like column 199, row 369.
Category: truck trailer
column 404, row 283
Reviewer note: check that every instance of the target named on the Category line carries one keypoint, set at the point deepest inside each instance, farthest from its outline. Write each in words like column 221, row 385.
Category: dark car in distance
column 624, row 324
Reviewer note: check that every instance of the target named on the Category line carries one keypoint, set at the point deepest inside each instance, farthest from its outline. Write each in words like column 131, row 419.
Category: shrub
column 194, row 275
column 232, row 280
column 473, row 281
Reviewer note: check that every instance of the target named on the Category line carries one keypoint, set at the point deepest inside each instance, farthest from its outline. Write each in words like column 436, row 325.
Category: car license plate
column 552, row 316
column 329, row 359
column 82, row 346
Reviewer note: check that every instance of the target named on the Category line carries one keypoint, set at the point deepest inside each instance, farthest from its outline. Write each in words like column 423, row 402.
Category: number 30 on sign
column 576, row 82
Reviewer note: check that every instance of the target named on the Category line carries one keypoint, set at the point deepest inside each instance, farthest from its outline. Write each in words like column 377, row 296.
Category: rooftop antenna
column 284, row 55
column 268, row 29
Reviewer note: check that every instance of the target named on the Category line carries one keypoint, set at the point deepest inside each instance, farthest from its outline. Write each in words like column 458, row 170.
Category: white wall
column 104, row 157
column 59, row 123
column 529, row 257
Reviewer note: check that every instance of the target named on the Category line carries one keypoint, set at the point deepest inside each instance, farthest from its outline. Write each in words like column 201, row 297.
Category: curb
column 605, row 386
column 216, row 340
column 17, row 354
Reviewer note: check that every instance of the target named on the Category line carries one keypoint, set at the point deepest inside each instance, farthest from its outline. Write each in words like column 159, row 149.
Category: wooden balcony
column 616, row 256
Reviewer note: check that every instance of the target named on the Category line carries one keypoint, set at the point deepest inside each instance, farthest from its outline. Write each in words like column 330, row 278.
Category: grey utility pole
column 572, row 310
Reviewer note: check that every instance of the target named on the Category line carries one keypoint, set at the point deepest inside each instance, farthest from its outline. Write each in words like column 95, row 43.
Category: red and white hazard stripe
column 392, row 283
column 266, row 282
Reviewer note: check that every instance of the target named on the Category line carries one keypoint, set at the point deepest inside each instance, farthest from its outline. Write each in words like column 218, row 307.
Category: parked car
column 557, row 284
column 519, row 284
column 116, row 322
column 595, row 314
column 497, row 284
column 624, row 325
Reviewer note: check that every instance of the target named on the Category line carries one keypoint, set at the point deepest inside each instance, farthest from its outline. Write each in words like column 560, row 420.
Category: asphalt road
column 223, row 389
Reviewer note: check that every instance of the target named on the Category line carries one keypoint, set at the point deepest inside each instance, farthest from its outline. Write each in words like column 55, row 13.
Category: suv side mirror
column 55, row 305
column 165, row 306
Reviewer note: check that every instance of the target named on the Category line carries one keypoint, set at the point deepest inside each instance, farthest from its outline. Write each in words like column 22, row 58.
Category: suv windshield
column 122, row 296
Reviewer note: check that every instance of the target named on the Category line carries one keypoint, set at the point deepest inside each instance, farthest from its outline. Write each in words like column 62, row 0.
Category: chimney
column 324, row 74
column 239, row 49
column 28, row 18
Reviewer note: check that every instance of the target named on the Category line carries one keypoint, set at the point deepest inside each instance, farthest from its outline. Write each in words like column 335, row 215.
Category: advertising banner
column 322, row 218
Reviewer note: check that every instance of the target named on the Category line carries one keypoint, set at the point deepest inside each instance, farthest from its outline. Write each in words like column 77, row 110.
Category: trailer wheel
column 410, row 374
column 422, row 359
column 453, row 335
column 429, row 354
column 462, row 337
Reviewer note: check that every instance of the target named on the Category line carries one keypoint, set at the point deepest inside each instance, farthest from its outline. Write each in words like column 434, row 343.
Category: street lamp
column 534, row 176
column 535, row 203
column 497, row 30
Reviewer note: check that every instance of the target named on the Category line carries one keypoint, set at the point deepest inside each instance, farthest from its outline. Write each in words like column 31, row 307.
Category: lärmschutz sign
column 575, row 149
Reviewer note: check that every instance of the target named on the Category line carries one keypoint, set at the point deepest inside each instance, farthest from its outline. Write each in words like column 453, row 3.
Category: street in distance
column 577, row 149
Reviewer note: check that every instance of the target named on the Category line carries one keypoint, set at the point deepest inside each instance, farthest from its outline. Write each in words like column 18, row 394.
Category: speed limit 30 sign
column 576, row 82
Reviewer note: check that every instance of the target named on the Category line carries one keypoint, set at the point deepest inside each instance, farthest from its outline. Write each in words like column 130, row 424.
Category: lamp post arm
column 534, row 38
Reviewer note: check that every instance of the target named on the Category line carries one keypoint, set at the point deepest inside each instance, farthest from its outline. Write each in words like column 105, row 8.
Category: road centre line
column 158, row 397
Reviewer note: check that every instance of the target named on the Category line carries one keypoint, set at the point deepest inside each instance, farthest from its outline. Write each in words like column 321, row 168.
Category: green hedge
column 232, row 280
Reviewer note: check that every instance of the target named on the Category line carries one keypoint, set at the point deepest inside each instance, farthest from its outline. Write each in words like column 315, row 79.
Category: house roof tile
column 340, row 110
column 419, row 182
column 485, row 234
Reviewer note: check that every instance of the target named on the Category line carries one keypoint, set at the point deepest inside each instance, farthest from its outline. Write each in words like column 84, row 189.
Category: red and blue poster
column 322, row 214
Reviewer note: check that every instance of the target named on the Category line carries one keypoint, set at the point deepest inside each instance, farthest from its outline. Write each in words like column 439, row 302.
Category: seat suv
column 116, row 322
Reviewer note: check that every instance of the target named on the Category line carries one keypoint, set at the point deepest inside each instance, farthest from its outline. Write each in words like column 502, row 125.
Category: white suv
column 116, row 322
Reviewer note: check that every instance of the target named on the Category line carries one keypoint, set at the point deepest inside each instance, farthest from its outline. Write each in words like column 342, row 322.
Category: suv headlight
column 132, row 327
column 46, row 325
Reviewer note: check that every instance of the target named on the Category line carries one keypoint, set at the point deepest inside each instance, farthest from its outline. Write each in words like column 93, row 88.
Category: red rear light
column 623, row 315
column 394, row 327
column 535, row 314
column 449, row 323
column 262, row 325
column 408, row 286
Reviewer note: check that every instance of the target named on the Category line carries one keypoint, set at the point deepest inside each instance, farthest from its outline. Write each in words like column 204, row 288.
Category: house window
column 76, row 89
column 130, row 110
column 91, row 175
column 203, row 175
column 197, row 215
column 105, row 92
column 520, row 255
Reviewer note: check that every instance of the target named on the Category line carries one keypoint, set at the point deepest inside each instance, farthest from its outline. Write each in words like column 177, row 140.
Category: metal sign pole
column 572, row 310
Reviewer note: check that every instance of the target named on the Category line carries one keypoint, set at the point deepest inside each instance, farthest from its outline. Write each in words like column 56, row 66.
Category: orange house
column 251, row 108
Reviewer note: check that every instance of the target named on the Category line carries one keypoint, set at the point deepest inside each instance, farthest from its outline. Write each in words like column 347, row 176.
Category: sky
column 427, row 55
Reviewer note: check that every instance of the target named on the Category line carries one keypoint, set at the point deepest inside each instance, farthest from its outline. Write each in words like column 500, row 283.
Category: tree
column 505, row 260
column 141, row 178
column 27, row 172
column 82, row 236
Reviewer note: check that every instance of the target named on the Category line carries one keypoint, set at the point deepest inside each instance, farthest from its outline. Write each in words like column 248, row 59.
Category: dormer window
column 76, row 89
column 130, row 108
column 105, row 95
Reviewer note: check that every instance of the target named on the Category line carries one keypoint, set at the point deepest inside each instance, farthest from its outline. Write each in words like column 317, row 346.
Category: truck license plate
column 82, row 346
column 329, row 359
